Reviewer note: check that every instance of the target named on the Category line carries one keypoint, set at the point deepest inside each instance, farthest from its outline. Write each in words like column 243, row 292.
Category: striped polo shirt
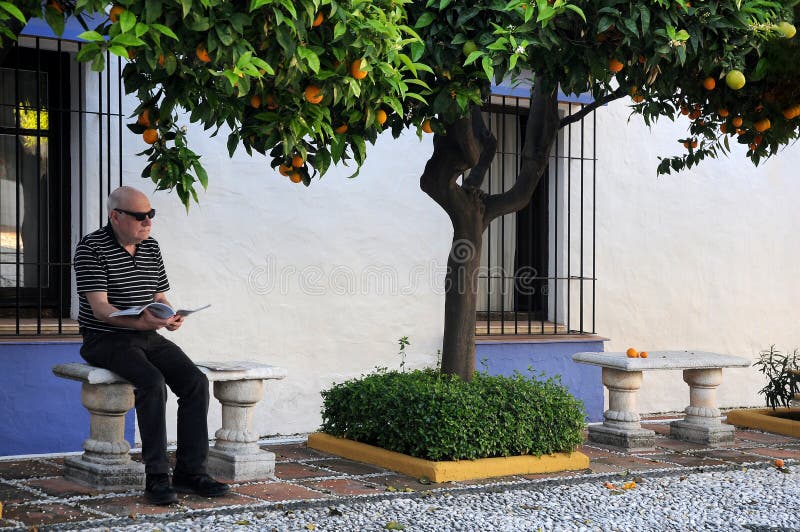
column 103, row 265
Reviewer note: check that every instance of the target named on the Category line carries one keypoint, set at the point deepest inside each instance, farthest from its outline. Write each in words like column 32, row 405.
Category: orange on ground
column 426, row 126
column 615, row 65
column 114, row 14
column 355, row 69
column 150, row 136
column 255, row 101
column 285, row 169
column 779, row 463
column 380, row 116
column 296, row 177
column 318, row 19
column 632, row 353
column 737, row 121
column 341, row 129
column 762, row 125
column 297, row 161
column 643, row 354
column 709, row 83
column 202, row 54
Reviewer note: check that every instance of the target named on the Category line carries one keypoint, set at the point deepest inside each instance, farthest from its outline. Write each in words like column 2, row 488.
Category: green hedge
column 439, row 417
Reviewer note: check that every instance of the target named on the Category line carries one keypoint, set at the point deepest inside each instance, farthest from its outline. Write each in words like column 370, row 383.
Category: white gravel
column 740, row 499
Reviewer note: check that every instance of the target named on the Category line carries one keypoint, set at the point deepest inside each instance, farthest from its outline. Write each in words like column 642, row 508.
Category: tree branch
column 488, row 147
column 610, row 97
column 540, row 134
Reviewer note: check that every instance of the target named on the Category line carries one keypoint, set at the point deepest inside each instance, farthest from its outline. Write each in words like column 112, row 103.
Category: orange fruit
column 285, row 169
column 684, row 110
column 296, row 177
column 144, row 118
column 202, row 54
column 637, row 98
column 632, row 353
column 271, row 103
column 255, row 101
column 426, row 126
column 709, row 83
column 615, row 65
column 758, row 139
column 150, row 136
column 723, row 113
column 297, row 161
column 355, row 69
column 762, row 125
column 737, row 121
column 779, row 463
column 313, row 94
column 643, row 354
column 318, row 19
column 723, row 128
column 380, row 116
column 161, row 60
column 341, row 129
column 694, row 115
column 114, row 14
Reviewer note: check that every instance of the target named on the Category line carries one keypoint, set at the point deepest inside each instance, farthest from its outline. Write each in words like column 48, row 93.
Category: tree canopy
column 309, row 83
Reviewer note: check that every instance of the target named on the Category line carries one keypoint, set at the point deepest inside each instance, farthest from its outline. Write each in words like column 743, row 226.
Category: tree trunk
column 461, row 302
column 469, row 145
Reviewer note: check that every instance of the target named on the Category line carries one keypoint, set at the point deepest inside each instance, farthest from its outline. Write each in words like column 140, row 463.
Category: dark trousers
column 151, row 363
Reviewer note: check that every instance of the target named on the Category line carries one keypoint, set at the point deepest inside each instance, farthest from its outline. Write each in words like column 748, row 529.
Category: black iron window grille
column 60, row 155
column 537, row 273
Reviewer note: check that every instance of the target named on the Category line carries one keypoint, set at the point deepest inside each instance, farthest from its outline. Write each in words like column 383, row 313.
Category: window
column 537, row 265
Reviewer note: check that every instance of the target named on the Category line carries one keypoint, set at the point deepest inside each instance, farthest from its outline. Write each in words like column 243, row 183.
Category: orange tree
column 310, row 82
column 670, row 57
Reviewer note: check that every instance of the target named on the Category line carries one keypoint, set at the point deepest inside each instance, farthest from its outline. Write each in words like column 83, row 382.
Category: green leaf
column 473, row 57
column 201, row 173
column 425, row 20
column 488, row 69
column 310, row 57
column 577, row 10
column 13, row 11
column 165, row 30
column 119, row 50
column 186, row 5
column 127, row 21
column 91, row 36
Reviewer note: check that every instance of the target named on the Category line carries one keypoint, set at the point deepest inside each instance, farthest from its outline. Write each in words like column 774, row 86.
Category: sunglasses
column 140, row 216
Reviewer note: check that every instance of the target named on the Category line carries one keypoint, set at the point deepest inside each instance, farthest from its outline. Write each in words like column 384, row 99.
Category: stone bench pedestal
column 239, row 387
column 105, row 462
column 622, row 376
column 621, row 426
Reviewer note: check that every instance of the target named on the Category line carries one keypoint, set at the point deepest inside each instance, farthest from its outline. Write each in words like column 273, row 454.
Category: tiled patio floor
column 35, row 495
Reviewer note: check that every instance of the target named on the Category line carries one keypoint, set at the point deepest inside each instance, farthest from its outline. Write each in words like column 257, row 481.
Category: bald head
column 123, row 198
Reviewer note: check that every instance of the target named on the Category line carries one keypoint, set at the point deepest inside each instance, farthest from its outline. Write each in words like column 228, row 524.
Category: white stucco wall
column 703, row 259
column 320, row 280
column 324, row 280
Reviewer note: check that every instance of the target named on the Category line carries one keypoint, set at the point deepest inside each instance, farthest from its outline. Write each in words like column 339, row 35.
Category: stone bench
column 623, row 377
column 105, row 462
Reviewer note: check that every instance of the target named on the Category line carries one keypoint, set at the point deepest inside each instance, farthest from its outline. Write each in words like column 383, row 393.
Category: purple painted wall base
column 552, row 358
column 42, row 413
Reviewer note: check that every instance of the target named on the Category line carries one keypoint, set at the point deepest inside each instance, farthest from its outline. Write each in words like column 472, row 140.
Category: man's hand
column 174, row 323
column 150, row 322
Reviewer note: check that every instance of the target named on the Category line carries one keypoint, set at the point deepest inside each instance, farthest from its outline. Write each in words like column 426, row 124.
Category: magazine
column 160, row 310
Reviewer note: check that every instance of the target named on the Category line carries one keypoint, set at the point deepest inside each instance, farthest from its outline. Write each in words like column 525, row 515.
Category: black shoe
column 158, row 491
column 200, row 484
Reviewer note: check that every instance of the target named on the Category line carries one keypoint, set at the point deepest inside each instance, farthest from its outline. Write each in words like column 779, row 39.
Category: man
column 117, row 267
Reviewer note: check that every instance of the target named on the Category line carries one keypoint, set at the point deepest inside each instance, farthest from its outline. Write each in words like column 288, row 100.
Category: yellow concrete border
column 766, row 420
column 447, row 471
